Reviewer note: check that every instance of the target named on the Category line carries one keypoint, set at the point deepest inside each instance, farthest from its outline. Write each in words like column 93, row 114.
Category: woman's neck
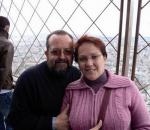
column 99, row 82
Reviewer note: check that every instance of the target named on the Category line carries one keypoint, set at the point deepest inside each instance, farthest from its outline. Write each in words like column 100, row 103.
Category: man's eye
column 55, row 52
column 67, row 52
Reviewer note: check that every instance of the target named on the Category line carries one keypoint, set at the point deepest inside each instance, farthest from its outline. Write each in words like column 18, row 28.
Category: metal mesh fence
column 32, row 20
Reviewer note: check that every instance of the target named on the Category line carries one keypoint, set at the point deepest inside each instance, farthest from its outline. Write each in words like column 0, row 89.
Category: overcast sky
column 77, row 21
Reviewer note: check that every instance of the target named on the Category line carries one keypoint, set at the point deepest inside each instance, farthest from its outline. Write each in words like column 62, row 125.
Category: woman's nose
column 89, row 61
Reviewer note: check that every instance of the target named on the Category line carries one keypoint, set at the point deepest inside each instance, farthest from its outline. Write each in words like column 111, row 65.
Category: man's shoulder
column 32, row 71
column 6, row 44
column 75, row 71
column 74, row 68
column 30, row 78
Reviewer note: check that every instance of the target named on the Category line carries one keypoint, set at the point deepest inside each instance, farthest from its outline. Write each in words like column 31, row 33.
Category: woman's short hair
column 92, row 40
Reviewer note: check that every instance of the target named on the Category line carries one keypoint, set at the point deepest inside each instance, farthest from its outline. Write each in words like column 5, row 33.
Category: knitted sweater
column 126, row 108
column 38, row 97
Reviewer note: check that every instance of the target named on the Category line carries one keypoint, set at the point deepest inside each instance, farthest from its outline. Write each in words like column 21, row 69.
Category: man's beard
column 59, row 71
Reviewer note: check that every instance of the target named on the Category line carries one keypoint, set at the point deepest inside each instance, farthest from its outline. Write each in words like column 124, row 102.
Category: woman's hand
column 98, row 126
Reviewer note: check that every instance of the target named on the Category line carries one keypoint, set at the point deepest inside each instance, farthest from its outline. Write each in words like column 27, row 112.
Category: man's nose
column 62, row 55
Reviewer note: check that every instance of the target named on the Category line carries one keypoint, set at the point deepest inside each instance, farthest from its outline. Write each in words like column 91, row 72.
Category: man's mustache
column 61, row 61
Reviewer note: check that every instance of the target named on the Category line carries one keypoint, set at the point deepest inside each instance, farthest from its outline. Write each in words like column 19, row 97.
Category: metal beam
column 128, row 38
column 136, row 39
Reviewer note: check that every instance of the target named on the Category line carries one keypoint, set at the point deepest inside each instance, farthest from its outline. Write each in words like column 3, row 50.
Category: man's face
column 60, row 52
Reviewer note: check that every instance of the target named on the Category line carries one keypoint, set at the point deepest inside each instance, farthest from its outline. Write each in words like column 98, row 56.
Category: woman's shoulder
column 75, row 85
column 118, row 81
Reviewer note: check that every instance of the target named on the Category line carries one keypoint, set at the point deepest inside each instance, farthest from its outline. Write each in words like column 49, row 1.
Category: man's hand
column 62, row 120
column 98, row 126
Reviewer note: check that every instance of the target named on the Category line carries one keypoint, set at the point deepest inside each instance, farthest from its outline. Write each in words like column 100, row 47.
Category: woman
column 125, row 108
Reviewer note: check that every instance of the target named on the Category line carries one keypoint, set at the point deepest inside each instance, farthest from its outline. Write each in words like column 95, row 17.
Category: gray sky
column 78, row 21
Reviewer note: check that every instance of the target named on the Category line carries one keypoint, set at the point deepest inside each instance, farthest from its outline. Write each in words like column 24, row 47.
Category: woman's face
column 91, row 61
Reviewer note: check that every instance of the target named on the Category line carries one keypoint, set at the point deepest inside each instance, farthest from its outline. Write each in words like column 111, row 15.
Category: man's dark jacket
column 38, row 97
column 6, row 58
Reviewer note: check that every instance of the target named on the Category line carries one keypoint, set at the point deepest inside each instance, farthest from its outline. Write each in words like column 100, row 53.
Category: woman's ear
column 105, row 58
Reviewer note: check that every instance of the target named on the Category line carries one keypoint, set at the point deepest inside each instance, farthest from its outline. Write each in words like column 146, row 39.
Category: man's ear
column 46, row 53
column 7, row 28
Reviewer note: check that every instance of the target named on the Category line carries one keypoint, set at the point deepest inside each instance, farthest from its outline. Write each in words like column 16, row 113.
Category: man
column 39, row 90
column 6, row 80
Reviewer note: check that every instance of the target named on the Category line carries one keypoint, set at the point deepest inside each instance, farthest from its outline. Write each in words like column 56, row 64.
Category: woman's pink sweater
column 126, row 108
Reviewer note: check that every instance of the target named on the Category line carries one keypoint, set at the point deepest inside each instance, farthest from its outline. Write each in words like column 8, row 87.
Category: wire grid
column 32, row 20
column 142, row 73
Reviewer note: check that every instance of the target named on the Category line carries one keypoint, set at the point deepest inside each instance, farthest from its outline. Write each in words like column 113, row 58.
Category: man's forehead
column 60, row 40
column 58, row 37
